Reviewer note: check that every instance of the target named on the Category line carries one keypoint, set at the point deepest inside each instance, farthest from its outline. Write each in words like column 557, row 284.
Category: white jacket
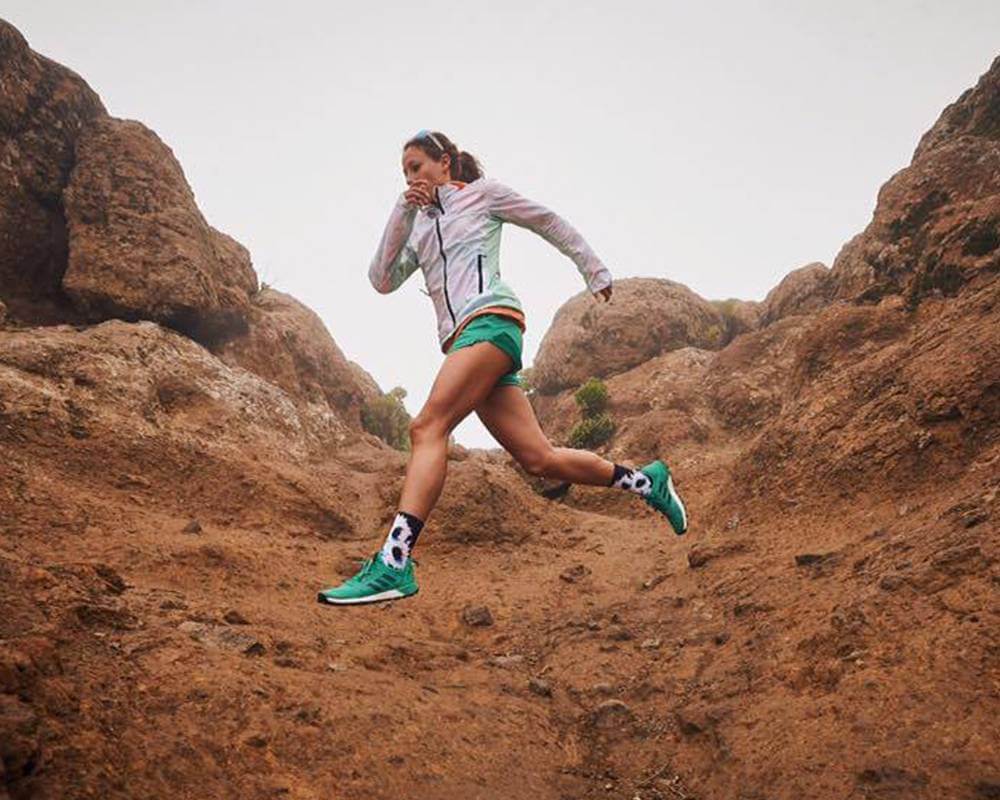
column 456, row 243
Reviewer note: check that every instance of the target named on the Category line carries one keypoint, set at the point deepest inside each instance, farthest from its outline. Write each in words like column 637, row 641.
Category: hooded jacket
column 455, row 242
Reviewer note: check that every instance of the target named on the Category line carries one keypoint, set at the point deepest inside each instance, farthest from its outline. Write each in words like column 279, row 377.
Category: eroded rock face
column 43, row 107
column 801, row 291
column 646, row 318
column 139, row 246
column 287, row 344
column 937, row 222
column 740, row 316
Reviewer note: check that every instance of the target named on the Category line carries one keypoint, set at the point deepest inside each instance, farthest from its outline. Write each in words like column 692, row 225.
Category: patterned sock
column 401, row 539
column 631, row 479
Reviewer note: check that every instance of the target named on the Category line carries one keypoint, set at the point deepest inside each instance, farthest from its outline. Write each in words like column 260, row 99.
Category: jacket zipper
column 444, row 258
column 479, row 259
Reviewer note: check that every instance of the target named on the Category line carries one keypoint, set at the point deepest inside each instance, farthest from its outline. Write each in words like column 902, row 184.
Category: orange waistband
column 503, row 311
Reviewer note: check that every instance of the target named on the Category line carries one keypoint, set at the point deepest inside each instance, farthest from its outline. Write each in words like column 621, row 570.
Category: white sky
column 717, row 144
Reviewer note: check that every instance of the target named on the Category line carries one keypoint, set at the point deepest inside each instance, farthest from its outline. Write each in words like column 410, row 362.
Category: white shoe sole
column 676, row 498
column 389, row 594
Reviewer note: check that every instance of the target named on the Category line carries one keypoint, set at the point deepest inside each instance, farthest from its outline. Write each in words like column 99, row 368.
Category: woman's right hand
column 418, row 193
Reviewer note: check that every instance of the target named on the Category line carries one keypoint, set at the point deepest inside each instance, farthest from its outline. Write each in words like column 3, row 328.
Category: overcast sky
column 716, row 144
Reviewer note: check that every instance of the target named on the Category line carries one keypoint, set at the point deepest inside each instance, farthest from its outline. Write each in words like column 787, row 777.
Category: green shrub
column 592, row 398
column 386, row 417
column 592, row 431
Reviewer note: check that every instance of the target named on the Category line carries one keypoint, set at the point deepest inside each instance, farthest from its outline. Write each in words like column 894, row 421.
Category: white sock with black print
column 631, row 479
column 402, row 537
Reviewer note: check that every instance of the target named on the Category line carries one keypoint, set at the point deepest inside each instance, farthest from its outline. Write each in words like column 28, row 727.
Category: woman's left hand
column 605, row 293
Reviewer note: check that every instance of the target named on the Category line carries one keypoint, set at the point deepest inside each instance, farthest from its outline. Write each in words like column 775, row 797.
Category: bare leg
column 465, row 379
column 508, row 415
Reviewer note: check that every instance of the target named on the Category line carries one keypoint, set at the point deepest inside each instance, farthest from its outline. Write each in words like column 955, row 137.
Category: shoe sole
column 390, row 594
column 677, row 499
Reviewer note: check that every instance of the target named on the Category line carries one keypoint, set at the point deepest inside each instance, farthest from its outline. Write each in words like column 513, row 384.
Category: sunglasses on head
column 426, row 134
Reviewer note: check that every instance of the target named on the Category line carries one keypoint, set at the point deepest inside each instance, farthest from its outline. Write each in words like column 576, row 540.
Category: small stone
column 113, row 580
column 603, row 688
column 477, row 616
column 574, row 573
column 651, row 644
column 721, row 637
column 336, row 666
column 807, row 559
column 222, row 637
column 620, row 634
column 506, row 661
column 656, row 580
column 540, row 687
column 234, row 617
column 972, row 518
column 890, row 582
column 256, row 741
column 192, row 527
column 611, row 713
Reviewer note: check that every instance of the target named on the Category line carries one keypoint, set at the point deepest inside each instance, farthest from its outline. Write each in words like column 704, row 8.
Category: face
column 418, row 165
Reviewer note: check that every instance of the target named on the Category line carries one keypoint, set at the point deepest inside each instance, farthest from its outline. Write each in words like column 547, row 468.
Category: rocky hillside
column 182, row 466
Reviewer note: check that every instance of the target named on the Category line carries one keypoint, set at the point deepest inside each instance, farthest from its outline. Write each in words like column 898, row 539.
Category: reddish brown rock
column 287, row 344
column 43, row 107
column 937, row 222
column 646, row 317
column 801, row 291
column 740, row 316
column 139, row 246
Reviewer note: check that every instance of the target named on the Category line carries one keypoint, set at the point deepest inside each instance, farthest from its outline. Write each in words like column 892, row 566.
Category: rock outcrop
column 936, row 225
column 287, row 344
column 645, row 318
column 43, row 108
column 801, row 291
column 139, row 247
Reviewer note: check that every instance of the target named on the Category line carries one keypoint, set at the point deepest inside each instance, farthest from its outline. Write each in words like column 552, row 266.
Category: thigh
column 466, row 377
column 508, row 415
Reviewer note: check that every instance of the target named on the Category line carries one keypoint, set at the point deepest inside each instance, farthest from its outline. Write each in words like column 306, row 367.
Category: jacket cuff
column 599, row 280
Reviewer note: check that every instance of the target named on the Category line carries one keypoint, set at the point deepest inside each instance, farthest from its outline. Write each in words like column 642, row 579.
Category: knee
column 538, row 462
column 425, row 427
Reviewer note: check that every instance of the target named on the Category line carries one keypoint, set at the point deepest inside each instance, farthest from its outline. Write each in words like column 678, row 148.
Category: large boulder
column 43, row 107
column 287, row 344
column 937, row 222
column 139, row 246
column 645, row 318
column 801, row 291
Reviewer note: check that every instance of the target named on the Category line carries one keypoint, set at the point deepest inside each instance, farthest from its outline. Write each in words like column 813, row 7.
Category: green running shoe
column 374, row 583
column 664, row 497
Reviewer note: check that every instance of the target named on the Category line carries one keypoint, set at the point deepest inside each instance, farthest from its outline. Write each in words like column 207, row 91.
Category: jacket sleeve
column 508, row 206
column 395, row 260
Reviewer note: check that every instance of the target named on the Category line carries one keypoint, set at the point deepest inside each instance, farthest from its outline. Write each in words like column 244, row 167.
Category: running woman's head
column 433, row 157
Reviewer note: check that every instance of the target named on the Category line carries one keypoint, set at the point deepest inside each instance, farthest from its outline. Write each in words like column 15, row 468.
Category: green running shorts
column 498, row 330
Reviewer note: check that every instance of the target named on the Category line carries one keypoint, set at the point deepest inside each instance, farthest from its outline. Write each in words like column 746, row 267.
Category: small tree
column 386, row 417
column 592, row 397
column 596, row 427
column 592, row 431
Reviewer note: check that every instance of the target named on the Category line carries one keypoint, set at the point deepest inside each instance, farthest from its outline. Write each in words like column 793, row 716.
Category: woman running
column 447, row 224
